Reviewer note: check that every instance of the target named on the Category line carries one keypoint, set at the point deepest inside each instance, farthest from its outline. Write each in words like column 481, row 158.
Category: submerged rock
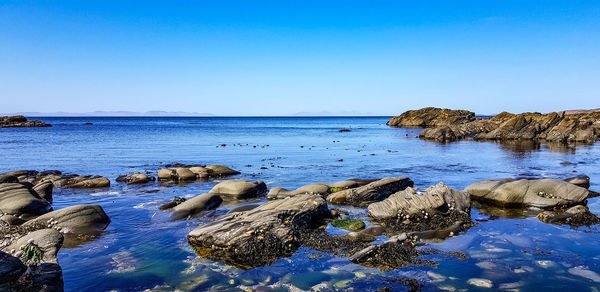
column 542, row 193
column 438, row 208
column 239, row 189
column 348, row 224
column 20, row 200
column 136, row 178
column 575, row 216
column 195, row 205
column 262, row 235
column 397, row 252
column 372, row 192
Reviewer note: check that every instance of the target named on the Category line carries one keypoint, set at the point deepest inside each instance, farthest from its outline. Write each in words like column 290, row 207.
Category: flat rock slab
column 541, row 193
column 79, row 219
column 369, row 193
column 239, row 189
column 262, row 235
column 323, row 189
column 20, row 200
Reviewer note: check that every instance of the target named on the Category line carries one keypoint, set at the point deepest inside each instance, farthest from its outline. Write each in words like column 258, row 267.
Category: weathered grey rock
column 221, row 171
column 167, row 174
column 44, row 190
column 575, row 216
column 17, row 199
column 323, row 189
column 90, row 183
column 170, row 205
column 184, row 174
column 79, row 219
column 580, row 181
column 11, row 220
column 372, row 192
column 239, row 189
column 262, row 235
column 542, row 193
column 136, row 178
column 42, row 274
column 196, row 205
column 202, row 172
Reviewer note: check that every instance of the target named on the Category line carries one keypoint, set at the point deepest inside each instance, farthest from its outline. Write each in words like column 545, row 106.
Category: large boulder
column 575, row 216
column 20, row 200
column 322, row 189
column 196, row 205
column 90, row 183
column 542, row 193
column 580, row 180
column 259, row 236
column 44, row 190
column 36, row 251
column 136, row 178
column 372, row 192
column 435, row 208
column 221, row 171
column 239, row 189
column 78, row 219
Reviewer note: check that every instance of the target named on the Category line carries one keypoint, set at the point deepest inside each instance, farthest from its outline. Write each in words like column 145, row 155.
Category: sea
column 143, row 248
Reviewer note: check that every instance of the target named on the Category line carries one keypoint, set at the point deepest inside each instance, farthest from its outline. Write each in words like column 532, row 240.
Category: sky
column 284, row 57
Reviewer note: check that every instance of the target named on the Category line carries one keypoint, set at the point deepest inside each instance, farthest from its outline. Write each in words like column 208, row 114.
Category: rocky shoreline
column 445, row 125
column 31, row 232
column 20, row 122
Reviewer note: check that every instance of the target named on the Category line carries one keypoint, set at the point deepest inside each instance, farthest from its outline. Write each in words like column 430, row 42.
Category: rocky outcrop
column 29, row 263
column 397, row 252
column 239, row 189
column 89, row 183
column 575, row 216
column 136, row 178
column 322, row 189
column 191, row 173
column 195, row 205
column 450, row 125
column 372, row 192
column 262, row 235
column 431, row 117
column 19, row 122
column 78, row 219
column 437, row 207
column 22, row 201
column 57, row 178
column 542, row 193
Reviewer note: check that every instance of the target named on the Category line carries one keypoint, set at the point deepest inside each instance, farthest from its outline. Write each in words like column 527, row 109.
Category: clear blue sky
column 282, row 57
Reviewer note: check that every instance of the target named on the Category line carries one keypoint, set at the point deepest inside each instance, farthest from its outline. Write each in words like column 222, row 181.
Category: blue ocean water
column 143, row 249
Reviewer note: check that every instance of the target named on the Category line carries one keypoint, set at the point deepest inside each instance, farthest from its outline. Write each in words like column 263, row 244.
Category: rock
column 44, row 190
column 431, row 117
column 262, row 235
column 344, row 130
column 4, row 178
column 580, row 181
column 202, row 172
column 11, row 220
column 43, row 272
column 20, row 200
column 397, row 252
column 348, row 224
column 176, row 201
column 78, row 219
column 20, row 121
column 11, row 269
column 166, row 174
column 582, row 271
column 184, row 174
column 221, row 171
column 372, row 192
column 239, row 189
column 449, row 125
column 196, row 205
column 575, row 216
column 359, row 236
column 322, row 189
column 244, row 208
column 91, row 183
column 436, row 208
column 541, row 193
column 136, row 178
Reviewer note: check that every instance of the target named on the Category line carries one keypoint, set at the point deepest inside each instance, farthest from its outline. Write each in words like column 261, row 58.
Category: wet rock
column 136, row 178
column 184, row 174
column 19, row 200
column 5, row 178
column 359, row 236
column 196, row 205
column 372, row 192
column 436, row 208
column 91, row 183
column 443, row 134
column 239, row 189
column 44, row 190
column 176, row 201
column 78, row 219
column 322, row 189
column 397, row 252
column 11, row 220
column 259, row 236
column 221, row 171
column 166, row 174
column 575, row 216
column 582, row 271
column 190, row 173
column 11, row 268
column 348, row 224
column 580, row 181
column 542, row 193
column 478, row 282
column 19, row 122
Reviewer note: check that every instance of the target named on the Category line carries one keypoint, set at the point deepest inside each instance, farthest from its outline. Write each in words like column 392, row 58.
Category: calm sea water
column 143, row 249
